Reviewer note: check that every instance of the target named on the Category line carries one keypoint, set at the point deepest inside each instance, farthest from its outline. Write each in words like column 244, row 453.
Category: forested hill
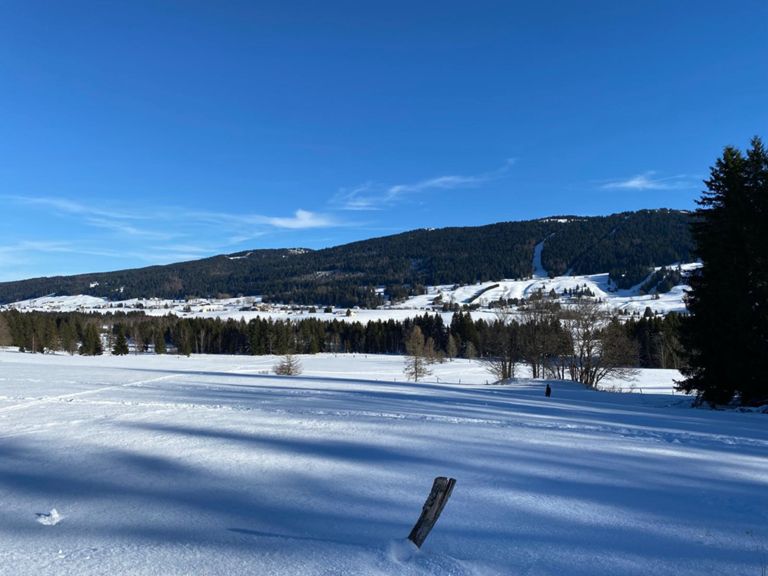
column 626, row 245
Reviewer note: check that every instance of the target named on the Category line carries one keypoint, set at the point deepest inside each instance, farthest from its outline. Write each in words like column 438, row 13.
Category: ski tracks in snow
column 72, row 395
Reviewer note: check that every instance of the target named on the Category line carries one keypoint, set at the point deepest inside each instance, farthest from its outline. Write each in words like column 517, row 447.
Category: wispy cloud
column 649, row 181
column 124, row 221
column 17, row 257
column 153, row 235
column 68, row 206
column 376, row 196
column 37, row 246
column 303, row 219
column 128, row 229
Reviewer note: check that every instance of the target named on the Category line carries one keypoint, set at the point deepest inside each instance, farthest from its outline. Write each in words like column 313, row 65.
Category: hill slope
column 625, row 244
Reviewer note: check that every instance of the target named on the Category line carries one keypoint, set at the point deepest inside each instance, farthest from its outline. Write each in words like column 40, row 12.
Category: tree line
column 544, row 335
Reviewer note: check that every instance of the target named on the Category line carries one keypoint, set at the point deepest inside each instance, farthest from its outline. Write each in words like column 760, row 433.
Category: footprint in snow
column 49, row 519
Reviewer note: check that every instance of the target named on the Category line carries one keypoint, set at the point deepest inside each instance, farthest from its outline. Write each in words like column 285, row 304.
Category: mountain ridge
column 626, row 244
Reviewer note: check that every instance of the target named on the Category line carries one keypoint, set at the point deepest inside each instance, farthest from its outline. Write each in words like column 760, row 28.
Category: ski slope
column 153, row 465
column 626, row 302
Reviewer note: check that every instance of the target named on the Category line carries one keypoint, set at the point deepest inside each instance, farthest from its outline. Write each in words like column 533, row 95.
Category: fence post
column 441, row 491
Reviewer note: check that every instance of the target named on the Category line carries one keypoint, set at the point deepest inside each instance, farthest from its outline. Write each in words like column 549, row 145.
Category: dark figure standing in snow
column 548, row 391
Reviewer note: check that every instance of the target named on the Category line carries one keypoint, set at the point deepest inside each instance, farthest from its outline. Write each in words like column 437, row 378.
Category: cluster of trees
column 658, row 340
column 662, row 280
column 580, row 342
column 40, row 332
column 349, row 275
column 627, row 247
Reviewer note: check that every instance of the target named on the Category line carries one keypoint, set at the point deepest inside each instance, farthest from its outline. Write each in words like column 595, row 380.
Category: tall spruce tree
column 120, row 348
column 726, row 335
column 91, row 345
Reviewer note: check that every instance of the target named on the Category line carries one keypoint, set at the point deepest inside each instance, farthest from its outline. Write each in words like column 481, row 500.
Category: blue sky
column 137, row 133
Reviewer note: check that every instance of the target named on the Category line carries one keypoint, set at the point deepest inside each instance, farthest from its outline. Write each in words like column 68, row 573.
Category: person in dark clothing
column 548, row 391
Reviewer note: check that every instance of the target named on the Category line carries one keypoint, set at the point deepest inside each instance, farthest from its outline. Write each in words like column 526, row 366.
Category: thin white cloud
column 37, row 246
column 128, row 229
column 150, row 235
column 649, row 181
column 302, row 219
column 367, row 196
column 15, row 258
column 438, row 183
column 122, row 221
column 71, row 207
column 376, row 196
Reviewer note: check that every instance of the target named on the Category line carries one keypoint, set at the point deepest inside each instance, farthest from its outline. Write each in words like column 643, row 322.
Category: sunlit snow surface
column 629, row 301
column 209, row 465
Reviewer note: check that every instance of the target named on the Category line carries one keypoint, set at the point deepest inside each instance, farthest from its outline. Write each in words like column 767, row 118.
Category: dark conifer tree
column 120, row 347
column 159, row 341
column 726, row 335
column 68, row 336
column 91, row 345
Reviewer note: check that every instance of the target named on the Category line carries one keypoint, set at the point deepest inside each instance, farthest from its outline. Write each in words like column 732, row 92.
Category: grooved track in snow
column 73, row 395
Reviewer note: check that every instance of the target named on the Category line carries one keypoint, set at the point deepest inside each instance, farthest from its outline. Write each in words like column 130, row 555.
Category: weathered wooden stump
column 441, row 491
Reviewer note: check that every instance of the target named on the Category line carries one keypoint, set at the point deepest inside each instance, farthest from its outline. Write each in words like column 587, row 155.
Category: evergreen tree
column 290, row 365
column 726, row 334
column 91, row 345
column 159, row 341
column 6, row 338
column 49, row 335
column 68, row 336
column 120, row 347
column 451, row 349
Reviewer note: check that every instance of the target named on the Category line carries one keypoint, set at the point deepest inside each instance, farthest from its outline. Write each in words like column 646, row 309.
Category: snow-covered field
column 210, row 465
column 629, row 301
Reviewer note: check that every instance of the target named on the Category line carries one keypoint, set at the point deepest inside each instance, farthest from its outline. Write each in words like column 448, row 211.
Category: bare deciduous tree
column 601, row 348
column 503, row 347
column 416, row 361
column 540, row 334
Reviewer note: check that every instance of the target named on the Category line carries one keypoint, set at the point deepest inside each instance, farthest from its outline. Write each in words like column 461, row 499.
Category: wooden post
column 441, row 491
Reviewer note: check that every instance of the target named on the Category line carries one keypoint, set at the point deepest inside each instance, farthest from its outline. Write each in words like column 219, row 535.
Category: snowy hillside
column 210, row 465
column 629, row 301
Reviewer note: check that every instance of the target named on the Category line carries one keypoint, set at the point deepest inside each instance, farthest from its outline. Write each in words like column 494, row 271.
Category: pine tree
column 451, row 349
column 6, row 339
column 68, row 336
column 159, row 341
column 91, row 345
column 726, row 334
column 290, row 365
column 120, row 347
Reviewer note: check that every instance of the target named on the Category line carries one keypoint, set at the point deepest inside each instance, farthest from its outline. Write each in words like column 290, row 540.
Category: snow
column 243, row 257
column 49, row 519
column 628, row 301
column 211, row 465
column 538, row 268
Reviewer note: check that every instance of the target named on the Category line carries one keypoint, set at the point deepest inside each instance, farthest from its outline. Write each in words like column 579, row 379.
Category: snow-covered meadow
column 211, row 465
column 479, row 296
